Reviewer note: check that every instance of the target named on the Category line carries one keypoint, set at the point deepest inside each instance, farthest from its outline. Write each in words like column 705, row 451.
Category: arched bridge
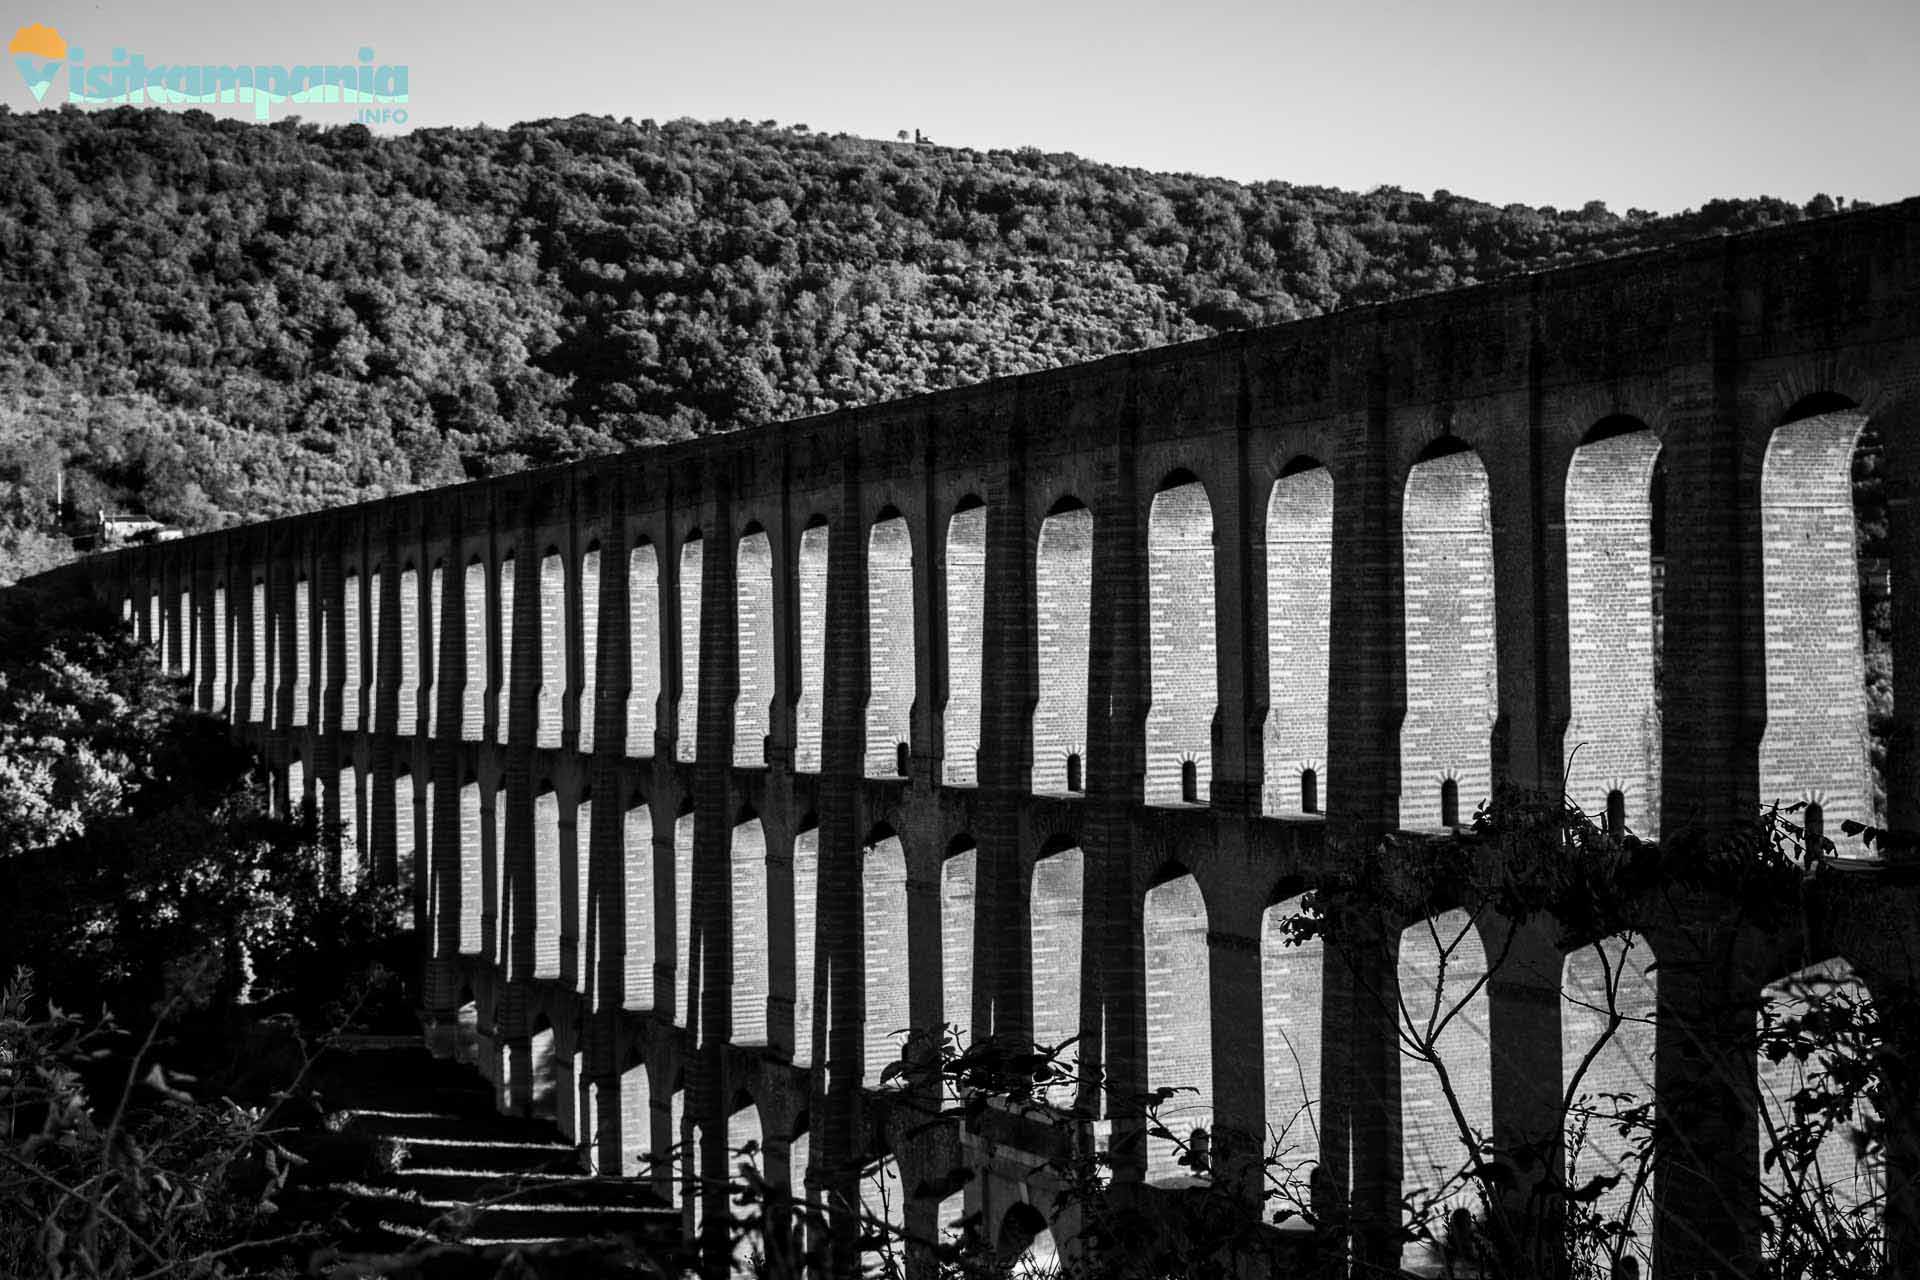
column 1032, row 707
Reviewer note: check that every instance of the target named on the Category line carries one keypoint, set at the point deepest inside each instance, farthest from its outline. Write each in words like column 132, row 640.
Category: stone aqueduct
column 1022, row 706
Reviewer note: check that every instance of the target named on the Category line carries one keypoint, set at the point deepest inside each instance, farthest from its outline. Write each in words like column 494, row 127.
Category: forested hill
column 220, row 321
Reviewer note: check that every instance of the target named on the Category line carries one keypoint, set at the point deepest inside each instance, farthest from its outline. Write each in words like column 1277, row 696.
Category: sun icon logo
column 38, row 41
column 37, row 50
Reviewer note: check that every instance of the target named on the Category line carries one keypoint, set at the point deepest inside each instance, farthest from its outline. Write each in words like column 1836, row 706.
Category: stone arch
column 408, row 673
column 636, row 840
column 1612, row 740
column 753, row 596
column 586, row 624
column 1063, row 614
column 353, row 707
column 684, row 990
column 431, row 609
column 543, row 1092
column 1817, row 745
column 1299, row 619
column 965, row 576
column 1834, row 1179
column 1179, row 1011
column 299, row 679
column 806, row 888
column 551, row 641
column 257, row 653
column 473, row 689
column 1605, row 1073
column 810, row 566
column 470, row 854
column 1056, row 913
column 636, row 1118
column 959, row 877
column 1291, row 1003
column 751, row 961
column 643, row 630
column 350, row 836
column 1451, row 670
column 505, row 575
column 1182, row 642
column 886, row 1008
column 890, row 642
column 546, row 880
column 1443, row 1005
column 687, row 721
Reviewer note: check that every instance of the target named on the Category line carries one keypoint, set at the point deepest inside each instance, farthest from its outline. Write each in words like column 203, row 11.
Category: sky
column 1652, row 104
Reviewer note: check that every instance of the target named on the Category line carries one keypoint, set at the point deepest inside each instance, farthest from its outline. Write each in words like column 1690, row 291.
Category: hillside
column 218, row 321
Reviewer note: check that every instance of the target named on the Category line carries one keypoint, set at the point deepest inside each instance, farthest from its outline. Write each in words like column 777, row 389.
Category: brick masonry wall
column 959, row 900
column 503, row 693
column 470, row 851
column 809, row 707
column 1594, row 980
column 1290, row 991
column 588, row 625
column 1448, row 567
column 1063, row 584
column 884, row 912
column 1439, row 963
column 966, row 584
column 302, row 645
column 691, row 553
column 1181, row 626
column 1179, row 1014
column 890, row 624
column 353, row 706
column 222, row 665
column 1055, row 902
column 806, row 888
column 637, row 831
column 1815, row 743
column 257, row 650
column 1614, row 722
column 753, row 587
column 643, row 623
column 407, row 697
column 1299, row 600
column 750, row 950
column 473, row 700
column 546, row 885
column 551, row 650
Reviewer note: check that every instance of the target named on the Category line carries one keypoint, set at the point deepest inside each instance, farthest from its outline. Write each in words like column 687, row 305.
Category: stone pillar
column 1118, row 693
column 1240, row 647
column 1359, row 1065
column 330, row 753
column 383, row 706
column 1714, row 665
column 523, row 664
column 1706, row 1089
column 447, row 830
column 1238, row 1046
column 840, row 958
column 1523, row 1012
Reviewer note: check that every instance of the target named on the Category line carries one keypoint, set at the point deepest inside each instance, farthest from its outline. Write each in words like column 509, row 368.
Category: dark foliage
column 212, row 320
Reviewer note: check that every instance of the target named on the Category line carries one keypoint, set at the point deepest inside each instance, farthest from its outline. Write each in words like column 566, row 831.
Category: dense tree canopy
column 214, row 320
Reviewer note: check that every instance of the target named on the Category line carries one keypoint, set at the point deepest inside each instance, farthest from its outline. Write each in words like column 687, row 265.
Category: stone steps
column 445, row 1165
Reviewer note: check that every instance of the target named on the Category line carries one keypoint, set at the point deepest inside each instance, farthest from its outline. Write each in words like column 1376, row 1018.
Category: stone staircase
column 417, row 1153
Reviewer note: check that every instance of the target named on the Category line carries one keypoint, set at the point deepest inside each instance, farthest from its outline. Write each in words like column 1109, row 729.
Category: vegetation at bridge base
column 173, row 951
column 216, row 320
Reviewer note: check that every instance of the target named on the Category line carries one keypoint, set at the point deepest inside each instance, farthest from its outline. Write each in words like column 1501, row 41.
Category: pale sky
column 1657, row 105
